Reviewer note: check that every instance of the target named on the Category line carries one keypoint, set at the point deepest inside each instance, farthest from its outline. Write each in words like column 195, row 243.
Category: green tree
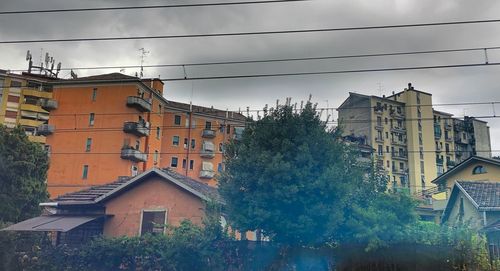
column 289, row 176
column 23, row 171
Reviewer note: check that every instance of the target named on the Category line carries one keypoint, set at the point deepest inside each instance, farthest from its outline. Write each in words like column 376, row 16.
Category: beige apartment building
column 25, row 100
column 411, row 141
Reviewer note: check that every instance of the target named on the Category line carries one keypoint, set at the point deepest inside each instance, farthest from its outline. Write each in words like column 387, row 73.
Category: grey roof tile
column 485, row 194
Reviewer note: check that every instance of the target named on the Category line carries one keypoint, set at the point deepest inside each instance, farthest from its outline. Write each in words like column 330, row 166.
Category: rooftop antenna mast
column 48, row 69
column 143, row 56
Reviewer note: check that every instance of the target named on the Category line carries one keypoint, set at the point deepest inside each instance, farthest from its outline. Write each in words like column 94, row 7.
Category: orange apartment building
column 113, row 125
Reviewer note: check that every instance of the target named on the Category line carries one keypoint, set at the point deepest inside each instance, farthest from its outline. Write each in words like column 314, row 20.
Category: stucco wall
column 482, row 137
column 154, row 194
column 492, row 174
column 471, row 215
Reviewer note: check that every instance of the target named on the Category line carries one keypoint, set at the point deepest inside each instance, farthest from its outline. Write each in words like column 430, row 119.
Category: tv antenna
column 143, row 56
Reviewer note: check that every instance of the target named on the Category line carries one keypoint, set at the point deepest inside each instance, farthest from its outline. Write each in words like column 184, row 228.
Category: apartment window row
column 174, row 162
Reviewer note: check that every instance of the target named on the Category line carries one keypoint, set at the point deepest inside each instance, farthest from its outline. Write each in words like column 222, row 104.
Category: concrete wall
column 482, row 138
column 153, row 194
column 355, row 116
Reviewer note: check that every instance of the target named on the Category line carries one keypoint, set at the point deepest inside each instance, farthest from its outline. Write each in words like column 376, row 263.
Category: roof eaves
column 182, row 185
column 457, row 183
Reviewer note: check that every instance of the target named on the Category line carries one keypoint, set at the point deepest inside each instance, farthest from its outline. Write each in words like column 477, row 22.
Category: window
column 221, row 146
column 387, row 149
column 193, row 143
column 159, row 111
column 94, row 94
column 88, row 144
column 15, row 84
column 379, row 121
column 184, row 163
column 191, row 164
column 185, row 143
column 137, row 144
column 91, row 119
column 177, row 120
column 379, row 135
column 158, row 132
column 228, row 129
column 380, row 150
column 85, row 172
column 422, row 170
column 386, row 121
column 175, row 140
column 134, row 170
column 479, row 170
column 153, row 221
column 219, row 167
column 420, row 139
column 174, row 162
column 421, row 150
column 388, row 164
column 208, row 125
column 386, row 135
column 155, row 157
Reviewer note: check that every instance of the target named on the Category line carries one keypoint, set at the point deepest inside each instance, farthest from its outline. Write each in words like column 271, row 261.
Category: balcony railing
column 449, row 139
column 137, row 128
column 398, row 142
column 447, row 126
column 396, row 114
column 400, row 156
column 134, row 155
column 207, row 154
column 208, row 133
column 398, row 129
column 378, row 109
column 49, row 104
column 45, row 129
column 439, row 161
column 450, row 164
column 460, row 140
column 207, row 174
column 379, row 139
column 139, row 103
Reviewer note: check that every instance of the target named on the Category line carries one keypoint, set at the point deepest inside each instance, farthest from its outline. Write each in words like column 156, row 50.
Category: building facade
column 413, row 142
column 25, row 100
column 117, row 125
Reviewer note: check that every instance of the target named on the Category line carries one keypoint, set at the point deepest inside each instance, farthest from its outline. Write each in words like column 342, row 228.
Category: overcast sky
column 456, row 85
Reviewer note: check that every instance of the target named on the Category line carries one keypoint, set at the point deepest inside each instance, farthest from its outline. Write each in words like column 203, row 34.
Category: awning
column 51, row 223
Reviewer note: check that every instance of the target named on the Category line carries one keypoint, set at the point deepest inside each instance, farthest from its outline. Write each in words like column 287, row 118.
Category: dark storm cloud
column 451, row 85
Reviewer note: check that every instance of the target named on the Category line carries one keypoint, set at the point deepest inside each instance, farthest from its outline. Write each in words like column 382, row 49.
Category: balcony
column 449, row 139
column 379, row 156
column 398, row 129
column 397, row 115
column 208, row 133
column 49, row 104
column 379, row 126
column 400, row 171
column 136, row 128
column 45, row 129
column 134, row 155
column 139, row 103
column 37, row 139
column 399, row 156
column 448, row 126
column 460, row 140
column 439, row 161
column 398, row 142
column 379, row 139
column 378, row 109
column 36, row 93
column 207, row 174
column 450, row 164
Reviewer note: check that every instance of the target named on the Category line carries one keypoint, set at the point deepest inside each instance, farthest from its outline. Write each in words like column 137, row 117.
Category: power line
column 282, row 59
column 222, row 153
column 255, row 33
column 149, row 7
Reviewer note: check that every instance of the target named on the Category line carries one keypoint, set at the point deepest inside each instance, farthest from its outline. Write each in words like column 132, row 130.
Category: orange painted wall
column 71, row 121
column 154, row 194
column 183, row 131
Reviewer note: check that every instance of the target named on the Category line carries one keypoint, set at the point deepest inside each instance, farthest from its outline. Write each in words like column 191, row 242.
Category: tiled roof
column 91, row 194
column 206, row 110
column 484, row 194
column 100, row 193
column 204, row 189
column 103, row 77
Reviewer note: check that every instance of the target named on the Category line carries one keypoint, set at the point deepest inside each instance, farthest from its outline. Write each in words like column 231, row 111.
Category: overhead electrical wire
column 318, row 109
column 282, row 59
column 150, row 7
column 253, row 33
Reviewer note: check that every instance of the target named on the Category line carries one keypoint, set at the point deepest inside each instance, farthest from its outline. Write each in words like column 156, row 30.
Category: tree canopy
column 23, row 173
column 289, row 176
